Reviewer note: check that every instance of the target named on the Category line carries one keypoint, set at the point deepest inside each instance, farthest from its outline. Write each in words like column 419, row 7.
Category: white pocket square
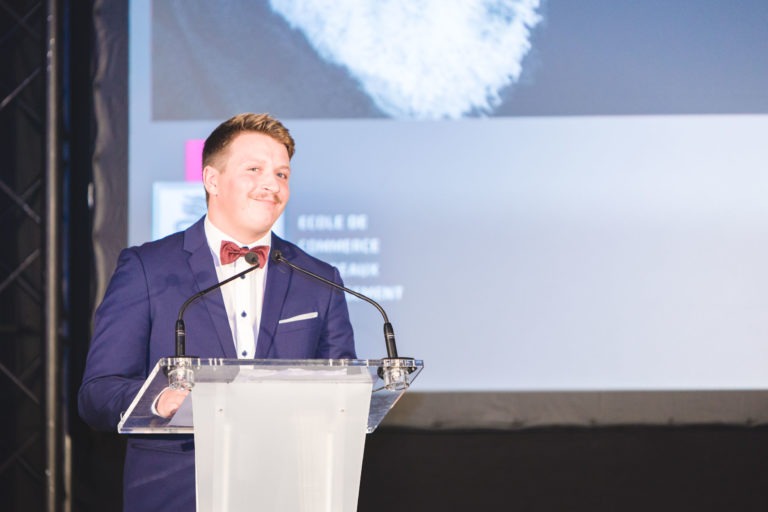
column 305, row 316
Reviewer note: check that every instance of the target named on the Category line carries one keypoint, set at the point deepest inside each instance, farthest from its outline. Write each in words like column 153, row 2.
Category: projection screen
column 561, row 205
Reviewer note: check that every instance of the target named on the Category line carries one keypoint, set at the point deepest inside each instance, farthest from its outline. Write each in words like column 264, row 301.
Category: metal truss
column 26, row 444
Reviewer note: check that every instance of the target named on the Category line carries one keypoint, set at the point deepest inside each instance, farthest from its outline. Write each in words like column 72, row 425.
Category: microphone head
column 252, row 258
column 277, row 255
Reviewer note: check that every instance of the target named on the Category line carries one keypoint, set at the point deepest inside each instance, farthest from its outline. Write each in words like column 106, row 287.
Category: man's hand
column 169, row 401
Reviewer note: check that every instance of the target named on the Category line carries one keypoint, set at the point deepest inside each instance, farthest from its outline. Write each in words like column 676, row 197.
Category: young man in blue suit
column 273, row 312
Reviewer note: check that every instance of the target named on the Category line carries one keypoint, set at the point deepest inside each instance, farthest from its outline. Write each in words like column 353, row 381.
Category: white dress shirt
column 244, row 297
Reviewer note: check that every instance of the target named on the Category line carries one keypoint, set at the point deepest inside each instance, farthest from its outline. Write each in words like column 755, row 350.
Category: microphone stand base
column 395, row 372
column 181, row 372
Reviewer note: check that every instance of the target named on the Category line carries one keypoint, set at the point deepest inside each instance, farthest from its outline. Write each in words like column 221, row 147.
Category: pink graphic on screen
column 193, row 160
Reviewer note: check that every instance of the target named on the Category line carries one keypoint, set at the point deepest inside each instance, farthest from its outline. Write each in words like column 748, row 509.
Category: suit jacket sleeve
column 117, row 359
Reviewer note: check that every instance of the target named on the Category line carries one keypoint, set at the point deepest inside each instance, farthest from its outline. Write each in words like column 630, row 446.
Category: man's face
column 248, row 186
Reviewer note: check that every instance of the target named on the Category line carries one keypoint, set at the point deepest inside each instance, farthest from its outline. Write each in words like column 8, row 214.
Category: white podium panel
column 288, row 445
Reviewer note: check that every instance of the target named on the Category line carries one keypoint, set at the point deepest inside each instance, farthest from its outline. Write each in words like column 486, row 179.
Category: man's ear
column 211, row 180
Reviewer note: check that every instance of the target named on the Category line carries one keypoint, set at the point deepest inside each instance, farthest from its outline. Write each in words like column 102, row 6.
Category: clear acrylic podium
column 275, row 434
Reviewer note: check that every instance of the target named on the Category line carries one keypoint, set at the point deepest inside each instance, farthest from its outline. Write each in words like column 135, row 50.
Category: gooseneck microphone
column 181, row 331
column 389, row 332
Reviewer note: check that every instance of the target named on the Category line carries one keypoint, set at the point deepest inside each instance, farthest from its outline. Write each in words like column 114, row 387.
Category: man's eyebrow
column 250, row 160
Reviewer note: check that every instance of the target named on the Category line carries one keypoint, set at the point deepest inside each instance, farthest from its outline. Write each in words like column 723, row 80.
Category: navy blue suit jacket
column 134, row 327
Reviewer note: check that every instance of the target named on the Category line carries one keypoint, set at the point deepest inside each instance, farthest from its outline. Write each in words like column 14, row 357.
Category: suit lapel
column 204, row 274
column 278, row 281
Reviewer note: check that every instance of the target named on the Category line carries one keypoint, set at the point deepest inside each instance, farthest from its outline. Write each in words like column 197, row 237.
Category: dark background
column 624, row 469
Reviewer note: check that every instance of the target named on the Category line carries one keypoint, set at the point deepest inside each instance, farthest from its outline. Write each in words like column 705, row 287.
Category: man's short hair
column 218, row 141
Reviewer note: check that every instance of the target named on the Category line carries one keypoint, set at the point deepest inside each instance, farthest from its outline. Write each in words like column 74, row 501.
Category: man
column 273, row 312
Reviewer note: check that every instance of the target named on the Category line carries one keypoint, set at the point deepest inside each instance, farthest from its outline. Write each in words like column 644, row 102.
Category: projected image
column 404, row 59
column 312, row 59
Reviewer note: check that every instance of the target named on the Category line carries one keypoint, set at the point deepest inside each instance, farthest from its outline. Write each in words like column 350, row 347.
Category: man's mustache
column 269, row 196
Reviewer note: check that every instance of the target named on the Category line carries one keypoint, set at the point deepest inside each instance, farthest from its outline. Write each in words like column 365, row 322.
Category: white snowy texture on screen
column 421, row 59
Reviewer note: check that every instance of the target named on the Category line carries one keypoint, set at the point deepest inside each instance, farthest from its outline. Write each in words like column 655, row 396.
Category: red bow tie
column 230, row 251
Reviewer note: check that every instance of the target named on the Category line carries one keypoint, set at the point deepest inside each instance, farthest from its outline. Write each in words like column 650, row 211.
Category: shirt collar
column 215, row 236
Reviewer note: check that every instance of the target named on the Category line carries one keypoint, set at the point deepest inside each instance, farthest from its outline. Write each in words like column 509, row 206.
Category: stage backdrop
column 561, row 205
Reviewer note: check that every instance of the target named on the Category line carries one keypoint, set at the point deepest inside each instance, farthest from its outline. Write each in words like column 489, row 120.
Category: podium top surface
column 388, row 378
